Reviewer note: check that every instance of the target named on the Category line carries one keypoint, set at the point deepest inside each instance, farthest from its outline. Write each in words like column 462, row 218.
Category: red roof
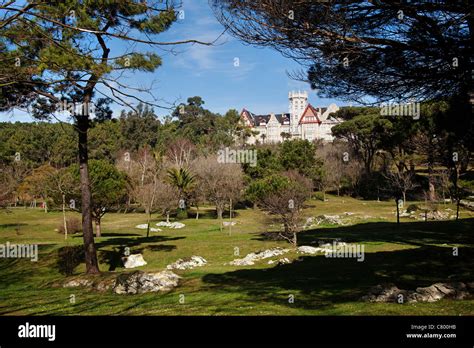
column 309, row 111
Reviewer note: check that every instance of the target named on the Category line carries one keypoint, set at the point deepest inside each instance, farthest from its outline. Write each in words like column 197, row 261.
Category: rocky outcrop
column 96, row 284
column 391, row 293
column 326, row 219
column 251, row 258
column 139, row 282
column 188, row 263
column 306, row 249
column 78, row 282
column 145, row 226
column 174, row 225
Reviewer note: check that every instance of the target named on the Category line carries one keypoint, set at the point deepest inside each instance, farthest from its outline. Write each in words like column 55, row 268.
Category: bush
column 73, row 224
column 181, row 214
column 319, row 196
column 412, row 207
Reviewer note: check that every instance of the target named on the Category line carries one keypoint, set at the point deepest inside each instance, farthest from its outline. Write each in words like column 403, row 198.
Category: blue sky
column 259, row 83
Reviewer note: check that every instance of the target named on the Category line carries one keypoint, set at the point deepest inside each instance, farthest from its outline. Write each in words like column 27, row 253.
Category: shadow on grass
column 317, row 281
column 12, row 225
column 111, row 234
column 113, row 258
column 133, row 242
column 418, row 233
column 16, row 270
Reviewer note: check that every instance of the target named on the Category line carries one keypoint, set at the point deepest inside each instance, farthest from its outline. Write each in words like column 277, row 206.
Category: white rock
column 134, row 260
column 77, row 282
column 175, row 225
column 192, row 262
column 145, row 226
column 141, row 282
column 280, row 261
column 306, row 249
column 229, row 223
column 250, row 259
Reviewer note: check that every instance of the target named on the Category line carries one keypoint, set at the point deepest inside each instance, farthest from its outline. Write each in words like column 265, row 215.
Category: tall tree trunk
column 230, row 216
column 64, row 216
column 219, row 216
column 431, row 179
column 458, row 203
column 98, row 230
column 148, row 224
column 92, row 265
column 197, row 212
column 398, row 211
column 168, row 217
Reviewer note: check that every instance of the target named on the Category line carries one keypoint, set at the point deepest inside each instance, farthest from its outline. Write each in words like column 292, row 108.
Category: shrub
column 412, row 207
column 73, row 224
column 181, row 214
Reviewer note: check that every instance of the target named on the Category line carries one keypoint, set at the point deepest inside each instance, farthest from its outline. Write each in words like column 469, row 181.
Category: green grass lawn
column 415, row 254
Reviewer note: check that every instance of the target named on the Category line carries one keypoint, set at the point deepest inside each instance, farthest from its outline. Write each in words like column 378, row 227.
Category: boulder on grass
column 134, row 260
column 438, row 291
column 188, row 263
column 250, row 259
column 390, row 293
column 139, row 282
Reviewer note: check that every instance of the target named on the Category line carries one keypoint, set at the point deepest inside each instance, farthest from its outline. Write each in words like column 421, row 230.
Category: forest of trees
column 153, row 164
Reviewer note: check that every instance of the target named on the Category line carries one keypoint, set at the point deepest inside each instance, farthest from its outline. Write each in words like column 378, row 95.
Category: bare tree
column 60, row 184
column 180, row 152
column 401, row 182
column 146, row 182
column 339, row 166
column 222, row 182
column 166, row 198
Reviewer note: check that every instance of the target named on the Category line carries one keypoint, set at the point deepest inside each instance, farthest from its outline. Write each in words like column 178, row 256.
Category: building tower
column 298, row 103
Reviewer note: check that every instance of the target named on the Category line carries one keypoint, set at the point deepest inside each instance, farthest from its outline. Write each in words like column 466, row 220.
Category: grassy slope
column 416, row 254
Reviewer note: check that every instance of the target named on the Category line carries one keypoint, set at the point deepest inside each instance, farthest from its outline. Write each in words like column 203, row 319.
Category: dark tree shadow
column 12, row 225
column 113, row 258
column 112, row 234
column 417, row 233
column 319, row 282
column 69, row 257
column 132, row 242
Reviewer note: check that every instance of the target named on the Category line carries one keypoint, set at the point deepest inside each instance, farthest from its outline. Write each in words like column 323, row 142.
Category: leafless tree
column 180, row 152
column 401, row 182
column 166, row 198
column 222, row 182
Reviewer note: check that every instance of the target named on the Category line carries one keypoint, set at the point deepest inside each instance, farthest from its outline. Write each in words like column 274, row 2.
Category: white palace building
column 303, row 121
